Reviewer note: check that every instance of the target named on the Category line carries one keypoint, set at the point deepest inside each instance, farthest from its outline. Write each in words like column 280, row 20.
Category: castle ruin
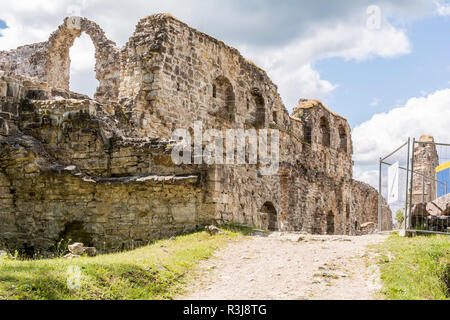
column 100, row 170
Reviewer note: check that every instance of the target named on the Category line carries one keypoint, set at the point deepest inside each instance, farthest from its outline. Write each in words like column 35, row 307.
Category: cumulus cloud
column 291, row 67
column 367, row 175
column 442, row 9
column 385, row 132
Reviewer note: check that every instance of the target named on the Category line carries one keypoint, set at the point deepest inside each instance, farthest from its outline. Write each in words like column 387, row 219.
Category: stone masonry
column 99, row 171
column 426, row 160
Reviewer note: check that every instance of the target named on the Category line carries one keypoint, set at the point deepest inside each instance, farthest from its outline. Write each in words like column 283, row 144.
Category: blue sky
column 391, row 82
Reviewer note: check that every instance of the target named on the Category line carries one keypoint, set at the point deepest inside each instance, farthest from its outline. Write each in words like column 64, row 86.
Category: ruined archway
column 325, row 132
column 269, row 210
column 223, row 98
column 343, row 139
column 107, row 67
column 260, row 108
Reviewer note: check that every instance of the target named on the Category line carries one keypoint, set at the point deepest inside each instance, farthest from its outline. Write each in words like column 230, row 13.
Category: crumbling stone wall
column 65, row 167
column 364, row 205
column 101, row 169
column 173, row 75
column 185, row 75
column 426, row 160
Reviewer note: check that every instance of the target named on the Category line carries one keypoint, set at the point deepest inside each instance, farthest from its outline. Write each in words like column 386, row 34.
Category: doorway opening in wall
column 325, row 131
column 269, row 209
column 330, row 223
column 75, row 232
column 82, row 66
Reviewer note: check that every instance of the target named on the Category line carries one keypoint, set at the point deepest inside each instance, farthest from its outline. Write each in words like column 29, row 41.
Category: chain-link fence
column 429, row 203
column 393, row 186
column 414, row 186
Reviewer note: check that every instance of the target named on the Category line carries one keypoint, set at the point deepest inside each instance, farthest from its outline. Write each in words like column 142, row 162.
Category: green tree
column 399, row 217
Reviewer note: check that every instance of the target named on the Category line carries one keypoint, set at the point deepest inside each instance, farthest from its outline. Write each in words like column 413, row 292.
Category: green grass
column 157, row 271
column 415, row 268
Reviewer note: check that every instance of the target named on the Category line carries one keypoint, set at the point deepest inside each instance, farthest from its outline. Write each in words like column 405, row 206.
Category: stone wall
column 365, row 208
column 101, row 170
column 185, row 75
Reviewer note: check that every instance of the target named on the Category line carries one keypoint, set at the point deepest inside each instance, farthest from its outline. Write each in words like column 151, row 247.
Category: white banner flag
column 393, row 189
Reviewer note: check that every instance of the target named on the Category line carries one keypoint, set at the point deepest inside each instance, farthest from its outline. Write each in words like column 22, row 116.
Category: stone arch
column 343, row 139
column 325, row 132
column 272, row 216
column 260, row 108
column 107, row 66
column 223, row 97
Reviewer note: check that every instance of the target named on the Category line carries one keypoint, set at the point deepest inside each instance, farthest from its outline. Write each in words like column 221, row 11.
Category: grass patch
column 415, row 268
column 153, row 272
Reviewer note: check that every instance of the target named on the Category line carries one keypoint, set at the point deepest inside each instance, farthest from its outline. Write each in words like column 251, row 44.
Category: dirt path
column 291, row 267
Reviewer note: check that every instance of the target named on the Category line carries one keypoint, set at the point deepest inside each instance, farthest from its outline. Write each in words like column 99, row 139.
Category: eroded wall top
column 50, row 61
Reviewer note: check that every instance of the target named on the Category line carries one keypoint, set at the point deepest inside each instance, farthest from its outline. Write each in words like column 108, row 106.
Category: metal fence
column 389, row 202
column 414, row 190
column 429, row 199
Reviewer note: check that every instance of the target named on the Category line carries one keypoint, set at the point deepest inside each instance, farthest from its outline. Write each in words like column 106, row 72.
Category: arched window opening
column 82, row 66
column 343, row 139
column 272, row 216
column 325, row 132
column 224, row 98
column 330, row 223
column 307, row 133
column 260, row 114
column 106, row 57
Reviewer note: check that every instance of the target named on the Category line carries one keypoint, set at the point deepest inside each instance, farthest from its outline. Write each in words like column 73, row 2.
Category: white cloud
column 303, row 82
column 290, row 66
column 442, row 9
column 385, row 132
column 367, row 175
column 82, row 76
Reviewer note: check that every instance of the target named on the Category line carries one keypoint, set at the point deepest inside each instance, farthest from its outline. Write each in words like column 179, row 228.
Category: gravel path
column 290, row 267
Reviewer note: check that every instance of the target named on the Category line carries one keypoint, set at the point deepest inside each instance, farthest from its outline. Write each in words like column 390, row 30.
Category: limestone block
column 90, row 251
column 76, row 248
